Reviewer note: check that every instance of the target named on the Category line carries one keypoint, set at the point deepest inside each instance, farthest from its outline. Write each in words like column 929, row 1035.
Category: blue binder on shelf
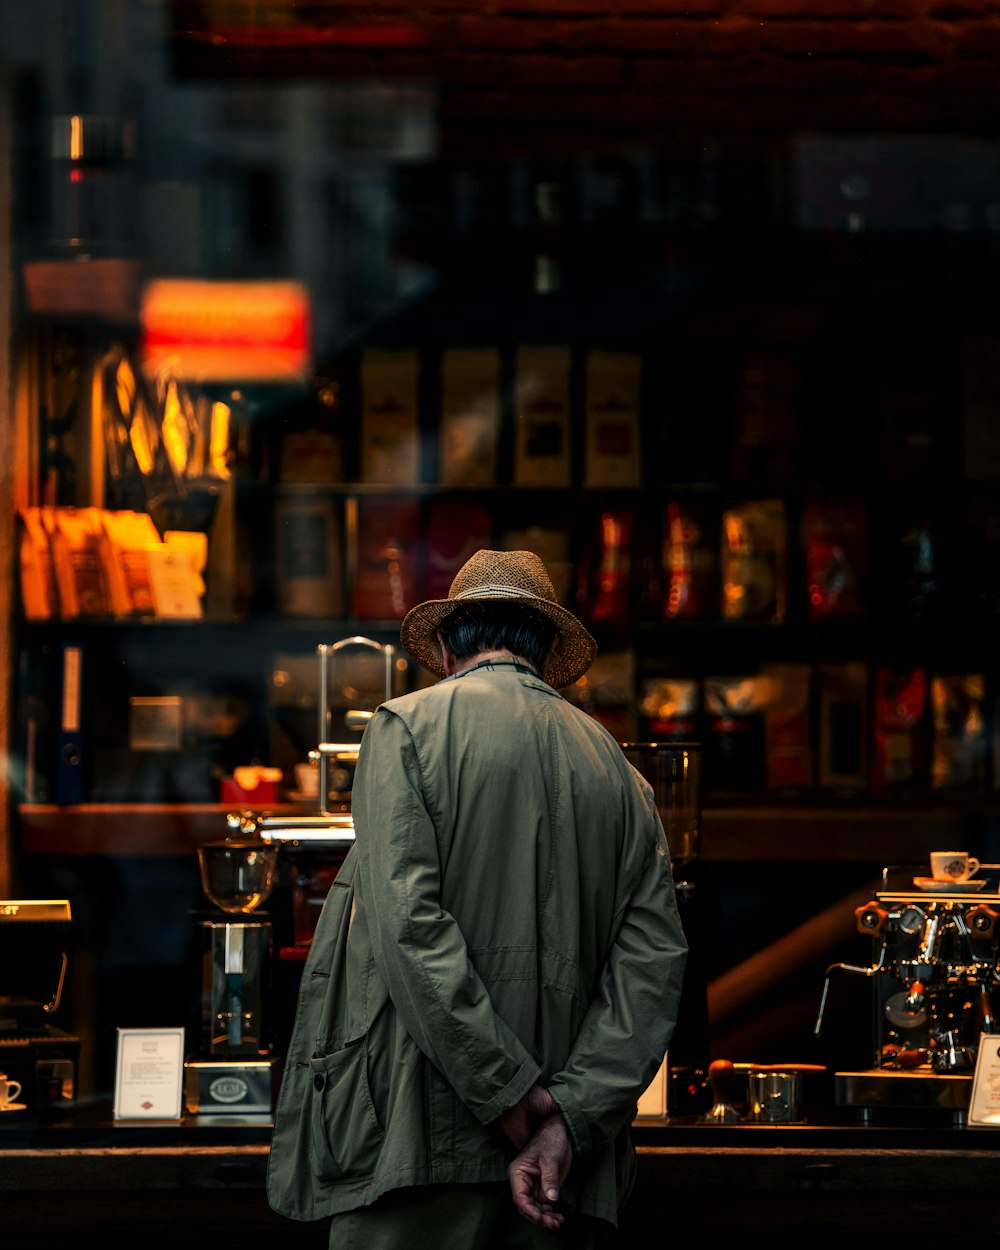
column 69, row 754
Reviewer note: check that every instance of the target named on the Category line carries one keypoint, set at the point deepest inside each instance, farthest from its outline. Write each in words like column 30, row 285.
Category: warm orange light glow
column 226, row 331
column 76, row 138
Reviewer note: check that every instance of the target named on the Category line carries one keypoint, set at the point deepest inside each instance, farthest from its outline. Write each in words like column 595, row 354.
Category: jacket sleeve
column 418, row 947
column 629, row 1024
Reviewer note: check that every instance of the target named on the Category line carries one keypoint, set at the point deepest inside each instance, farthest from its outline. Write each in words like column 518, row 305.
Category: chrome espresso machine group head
column 935, row 971
column 356, row 674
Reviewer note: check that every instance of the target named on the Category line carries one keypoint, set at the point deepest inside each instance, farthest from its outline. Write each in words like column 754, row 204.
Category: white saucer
column 949, row 887
column 14, row 1106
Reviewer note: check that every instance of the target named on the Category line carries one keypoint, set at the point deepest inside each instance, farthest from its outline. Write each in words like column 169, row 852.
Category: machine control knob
column 871, row 918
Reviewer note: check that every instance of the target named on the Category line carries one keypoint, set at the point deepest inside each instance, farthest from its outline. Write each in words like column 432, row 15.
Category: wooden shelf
column 120, row 828
column 848, row 834
column 800, row 832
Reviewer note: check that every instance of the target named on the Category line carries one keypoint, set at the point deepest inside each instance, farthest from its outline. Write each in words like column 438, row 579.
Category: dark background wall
column 525, row 76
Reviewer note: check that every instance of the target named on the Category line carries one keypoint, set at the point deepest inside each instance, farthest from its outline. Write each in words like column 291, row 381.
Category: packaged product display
column 553, row 545
column 76, row 557
column 788, row 727
column 611, row 419
column 470, row 416
column 39, row 600
column 542, row 414
column 843, row 725
column 690, row 560
column 454, row 530
column 960, row 753
column 388, row 558
column 308, row 536
column 390, row 431
column 899, row 722
column 734, row 732
column 754, row 546
column 670, row 708
column 835, row 534
column 606, row 579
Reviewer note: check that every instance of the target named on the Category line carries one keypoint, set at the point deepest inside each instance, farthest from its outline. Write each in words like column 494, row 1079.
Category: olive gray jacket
column 506, row 916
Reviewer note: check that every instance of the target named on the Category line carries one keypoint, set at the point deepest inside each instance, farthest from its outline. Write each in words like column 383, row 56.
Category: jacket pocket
column 346, row 1135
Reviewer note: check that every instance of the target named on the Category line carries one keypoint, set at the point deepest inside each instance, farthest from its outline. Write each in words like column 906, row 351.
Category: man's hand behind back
column 537, row 1174
column 520, row 1121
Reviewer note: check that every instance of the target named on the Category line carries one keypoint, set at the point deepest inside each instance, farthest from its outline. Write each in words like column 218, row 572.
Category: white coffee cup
column 9, row 1090
column 953, row 865
column 307, row 780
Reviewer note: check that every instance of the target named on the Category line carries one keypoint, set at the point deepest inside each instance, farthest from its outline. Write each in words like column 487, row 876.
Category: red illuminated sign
column 211, row 331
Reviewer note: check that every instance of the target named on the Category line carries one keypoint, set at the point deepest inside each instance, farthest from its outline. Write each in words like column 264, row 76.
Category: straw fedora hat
column 488, row 576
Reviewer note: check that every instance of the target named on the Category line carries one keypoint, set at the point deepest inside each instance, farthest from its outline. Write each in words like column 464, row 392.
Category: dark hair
column 499, row 625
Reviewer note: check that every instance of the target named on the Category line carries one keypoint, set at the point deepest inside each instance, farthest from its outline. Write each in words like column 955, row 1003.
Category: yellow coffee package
column 123, row 543
column 76, row 558
column 470, row 416
column 390, row 433
column 38, row 591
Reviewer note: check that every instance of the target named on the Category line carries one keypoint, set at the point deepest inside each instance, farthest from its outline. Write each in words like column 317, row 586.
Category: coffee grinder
column 673, row 769
column 234, row 1077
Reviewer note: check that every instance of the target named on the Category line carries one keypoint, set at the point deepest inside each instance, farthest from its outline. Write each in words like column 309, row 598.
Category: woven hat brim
column 575, row 654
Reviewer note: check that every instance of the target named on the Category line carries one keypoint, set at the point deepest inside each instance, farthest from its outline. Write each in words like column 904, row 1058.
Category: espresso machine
column 233, row 1076
column 673, row 769
column 934, row 973
column 34, row 956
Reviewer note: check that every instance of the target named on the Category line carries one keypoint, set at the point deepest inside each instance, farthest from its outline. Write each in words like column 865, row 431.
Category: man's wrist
column 576, row 1126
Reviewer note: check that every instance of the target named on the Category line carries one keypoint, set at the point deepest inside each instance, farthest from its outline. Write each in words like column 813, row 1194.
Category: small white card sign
column 149, row 1074
column 984, row 1105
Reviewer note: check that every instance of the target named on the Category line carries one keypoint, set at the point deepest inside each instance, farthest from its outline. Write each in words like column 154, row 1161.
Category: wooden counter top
column 828, row 1184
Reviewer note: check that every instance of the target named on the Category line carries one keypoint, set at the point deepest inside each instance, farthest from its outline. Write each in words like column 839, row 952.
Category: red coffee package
column 456, row 529
column 900, row 728
column 787, row 726
column 606, row 574
column 387, row 574
column 835, row 536
column 690, row 561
